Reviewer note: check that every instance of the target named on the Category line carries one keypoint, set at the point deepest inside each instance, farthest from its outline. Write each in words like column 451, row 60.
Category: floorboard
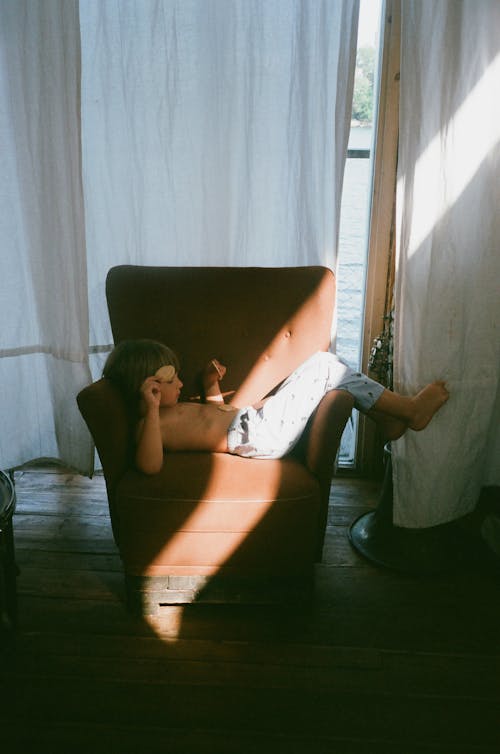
column 380, row 662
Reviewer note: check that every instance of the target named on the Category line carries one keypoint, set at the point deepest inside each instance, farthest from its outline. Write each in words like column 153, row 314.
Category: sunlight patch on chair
column 221, row 544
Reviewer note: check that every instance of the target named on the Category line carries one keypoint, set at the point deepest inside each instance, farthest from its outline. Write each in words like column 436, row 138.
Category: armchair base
column 147, row 594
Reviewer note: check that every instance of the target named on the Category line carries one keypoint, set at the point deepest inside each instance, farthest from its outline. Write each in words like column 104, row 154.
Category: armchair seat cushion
column 213, row 513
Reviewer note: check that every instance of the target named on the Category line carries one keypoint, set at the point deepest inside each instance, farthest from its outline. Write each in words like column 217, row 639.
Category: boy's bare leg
column 414, row 412
column 391, row 428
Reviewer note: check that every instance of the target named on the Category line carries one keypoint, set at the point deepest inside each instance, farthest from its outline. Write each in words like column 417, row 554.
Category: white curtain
column 43, row 292
column 212, row 132
column 448, row 268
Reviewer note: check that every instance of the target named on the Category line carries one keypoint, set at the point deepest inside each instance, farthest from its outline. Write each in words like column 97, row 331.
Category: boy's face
column 170, row 385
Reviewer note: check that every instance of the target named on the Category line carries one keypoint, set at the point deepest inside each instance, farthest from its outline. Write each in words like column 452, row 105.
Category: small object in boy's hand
column 217, row 368
column 165, row 373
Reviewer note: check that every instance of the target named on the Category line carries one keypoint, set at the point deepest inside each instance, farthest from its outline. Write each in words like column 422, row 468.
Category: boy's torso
column 196, row 426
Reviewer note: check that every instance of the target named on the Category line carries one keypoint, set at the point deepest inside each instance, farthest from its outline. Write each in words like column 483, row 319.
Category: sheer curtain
column 212, row 132
column 43, row 292
column 448, row 269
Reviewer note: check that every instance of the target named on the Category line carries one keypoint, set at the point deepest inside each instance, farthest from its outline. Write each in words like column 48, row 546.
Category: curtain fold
column 448, row 266
column 205, row 132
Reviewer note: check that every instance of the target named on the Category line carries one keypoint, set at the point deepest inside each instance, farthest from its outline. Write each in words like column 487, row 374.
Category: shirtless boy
column 148, row 374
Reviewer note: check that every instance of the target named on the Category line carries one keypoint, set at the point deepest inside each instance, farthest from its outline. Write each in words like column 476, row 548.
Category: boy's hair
column 131, row 361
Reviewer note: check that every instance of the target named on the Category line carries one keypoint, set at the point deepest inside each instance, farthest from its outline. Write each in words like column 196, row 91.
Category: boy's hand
column 150, row 392
column 213, row 372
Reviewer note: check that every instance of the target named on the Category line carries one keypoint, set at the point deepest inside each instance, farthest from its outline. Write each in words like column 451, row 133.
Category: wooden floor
column 381, row 663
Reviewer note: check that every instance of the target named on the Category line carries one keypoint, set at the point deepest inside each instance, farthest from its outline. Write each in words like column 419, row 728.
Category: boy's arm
column 149, row 444
column 212, row 374
column 149, row 447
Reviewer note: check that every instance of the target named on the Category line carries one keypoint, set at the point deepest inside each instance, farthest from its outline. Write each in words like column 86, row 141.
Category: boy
column 148, row 374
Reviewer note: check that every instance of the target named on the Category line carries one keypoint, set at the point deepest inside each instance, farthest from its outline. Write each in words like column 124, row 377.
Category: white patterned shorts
column 273, row 430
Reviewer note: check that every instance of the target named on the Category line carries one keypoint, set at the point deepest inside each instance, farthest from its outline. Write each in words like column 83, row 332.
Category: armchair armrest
column 106, row 415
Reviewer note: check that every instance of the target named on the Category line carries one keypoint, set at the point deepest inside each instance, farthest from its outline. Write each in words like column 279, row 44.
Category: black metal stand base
column 414, row 551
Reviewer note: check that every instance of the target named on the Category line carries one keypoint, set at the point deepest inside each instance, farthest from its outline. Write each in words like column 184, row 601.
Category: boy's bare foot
column 427, row 403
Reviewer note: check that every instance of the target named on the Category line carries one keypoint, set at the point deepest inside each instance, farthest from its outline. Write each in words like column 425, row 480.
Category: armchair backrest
column 261, row 322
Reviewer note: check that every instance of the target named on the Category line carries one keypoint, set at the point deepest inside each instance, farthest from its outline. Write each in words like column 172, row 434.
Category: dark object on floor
column 415, row 551
column 8, row 570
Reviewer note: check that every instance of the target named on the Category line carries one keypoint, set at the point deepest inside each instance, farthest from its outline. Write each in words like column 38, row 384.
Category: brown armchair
column 213, row 526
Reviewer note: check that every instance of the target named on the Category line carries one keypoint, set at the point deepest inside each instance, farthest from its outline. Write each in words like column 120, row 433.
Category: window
column 356, row 207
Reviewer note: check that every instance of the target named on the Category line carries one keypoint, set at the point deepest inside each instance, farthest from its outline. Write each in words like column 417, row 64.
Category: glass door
column 356, row 207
